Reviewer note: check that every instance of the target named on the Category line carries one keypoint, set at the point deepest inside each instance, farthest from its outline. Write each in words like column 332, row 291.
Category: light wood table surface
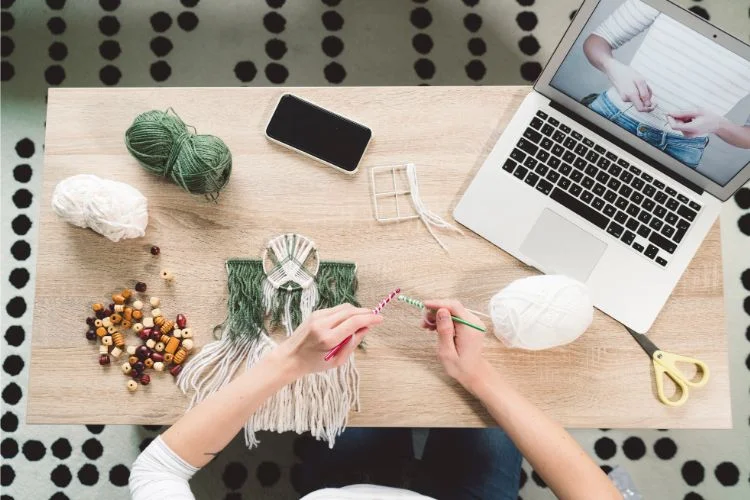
column 603, row 379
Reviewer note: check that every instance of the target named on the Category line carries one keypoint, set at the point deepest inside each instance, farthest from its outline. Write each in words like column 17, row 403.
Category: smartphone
column 318, row 133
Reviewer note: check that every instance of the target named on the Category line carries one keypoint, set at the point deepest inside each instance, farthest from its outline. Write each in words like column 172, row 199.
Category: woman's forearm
column 553, row 453
column 598, row 52
column 206, row 429
column 734, row 134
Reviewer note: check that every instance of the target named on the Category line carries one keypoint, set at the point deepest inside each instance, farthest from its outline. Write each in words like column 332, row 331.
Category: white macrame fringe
column 429, row 218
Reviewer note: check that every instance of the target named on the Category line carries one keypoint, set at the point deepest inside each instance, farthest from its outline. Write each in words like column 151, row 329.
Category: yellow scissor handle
column 665, row 364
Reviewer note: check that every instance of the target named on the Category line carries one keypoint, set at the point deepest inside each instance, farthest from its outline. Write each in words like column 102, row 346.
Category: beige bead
column 150, row 343
column 187, row 344
column 177, row 333
column 148, row 362
column 98, row 323
column 156, row 312
column 126, row 368
column 131, row 350
column 166, row 274
column 137, row 305
column 132, row 385
column 103, row 349
column 137, row 327
column 119, row 308
column 106, row 322
column 148, row 322
column 159, row 346
column 107, row 340
column 116, row 352
column 187, row 333
column 159, row 366
column 111, row 329
column 155, row 301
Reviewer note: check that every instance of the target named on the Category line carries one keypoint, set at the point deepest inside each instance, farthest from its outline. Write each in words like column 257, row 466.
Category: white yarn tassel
column 113, row 209
column 429, row 218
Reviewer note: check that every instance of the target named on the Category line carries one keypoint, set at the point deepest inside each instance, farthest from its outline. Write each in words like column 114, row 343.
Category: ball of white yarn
column 541, row 312
column 113, row 209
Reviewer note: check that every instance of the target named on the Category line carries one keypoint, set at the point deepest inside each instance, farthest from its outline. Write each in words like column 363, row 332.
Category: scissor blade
column 644, row 342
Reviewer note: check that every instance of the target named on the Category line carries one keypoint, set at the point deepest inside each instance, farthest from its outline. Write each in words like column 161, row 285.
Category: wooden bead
column 159, row 366
column 115, row 318
column 90, row 334
column 138, row 327
column 103, row 349
column 187, row 344
column 132, row 385
column 137, row 305
column 104, row 359
column 180, row 356
column 167, row 275
column 150, row 343
column 118, row 339
column 172, row 345
column 142, row 352
column 154, row 301
column 148, row 362
column 132, row 360
column 118, row 299
column 158, row 321
column 156, row 356
column 126, row 368
column 116, row 352
column 164, row 338
column 126, row 324
column 168, row 358
column 98, row 323
column 177, row 333
column 98, row 307
column 187, row 333
column 111, row 329
column 106, row 322
column 156, row 312
column 137, row 315
column 127, row 293
column 119, row 308
column 181, row 321
column 107, row 340
column 140, row 287
column 167, row 326
column 101, row 331
column 175, row 370
column 131, row 350
column 148, row 322
column 159, row 347
column 145, row 379
column 127, row 313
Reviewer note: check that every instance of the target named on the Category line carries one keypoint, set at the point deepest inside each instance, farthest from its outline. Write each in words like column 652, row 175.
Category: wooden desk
column 602, row 380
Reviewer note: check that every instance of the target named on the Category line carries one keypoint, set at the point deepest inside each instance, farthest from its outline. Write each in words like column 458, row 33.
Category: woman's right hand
column 630, row 85
column 459, row 346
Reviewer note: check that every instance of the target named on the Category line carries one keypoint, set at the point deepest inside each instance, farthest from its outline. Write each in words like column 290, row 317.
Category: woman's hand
column 696, row 122
column 630, row 84
column 303, row 352
column 459, row 346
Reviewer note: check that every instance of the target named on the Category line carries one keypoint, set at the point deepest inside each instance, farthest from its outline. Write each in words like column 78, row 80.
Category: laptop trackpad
column 561, row 247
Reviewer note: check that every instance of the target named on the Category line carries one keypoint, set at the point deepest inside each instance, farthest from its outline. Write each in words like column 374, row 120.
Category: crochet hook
column 378, row 308
column 419, row 304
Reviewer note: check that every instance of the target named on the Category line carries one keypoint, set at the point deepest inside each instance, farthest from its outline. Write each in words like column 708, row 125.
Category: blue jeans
column 456, row 463
column 687, row 150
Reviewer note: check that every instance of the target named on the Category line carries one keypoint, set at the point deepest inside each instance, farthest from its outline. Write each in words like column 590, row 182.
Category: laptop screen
column 663, row 82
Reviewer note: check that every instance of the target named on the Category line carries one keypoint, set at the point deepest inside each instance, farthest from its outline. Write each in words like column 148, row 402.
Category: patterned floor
column 328, row 42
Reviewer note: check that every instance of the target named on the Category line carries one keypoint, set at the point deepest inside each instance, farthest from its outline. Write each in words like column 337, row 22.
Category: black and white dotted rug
column 275, row 42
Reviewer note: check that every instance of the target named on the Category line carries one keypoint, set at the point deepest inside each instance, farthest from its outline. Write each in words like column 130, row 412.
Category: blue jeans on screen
column 687, row 150
column 456, row 463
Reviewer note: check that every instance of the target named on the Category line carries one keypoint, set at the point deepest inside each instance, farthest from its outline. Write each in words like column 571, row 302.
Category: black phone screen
column 318, row 132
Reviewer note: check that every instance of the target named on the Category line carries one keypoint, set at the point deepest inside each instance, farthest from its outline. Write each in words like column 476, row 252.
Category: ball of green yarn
column 165, row 146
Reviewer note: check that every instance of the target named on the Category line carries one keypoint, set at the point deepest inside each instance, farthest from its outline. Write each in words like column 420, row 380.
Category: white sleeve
column 627, row 21
column 159, row 473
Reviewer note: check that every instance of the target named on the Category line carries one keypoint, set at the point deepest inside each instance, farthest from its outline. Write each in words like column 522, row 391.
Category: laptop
column 615, row 166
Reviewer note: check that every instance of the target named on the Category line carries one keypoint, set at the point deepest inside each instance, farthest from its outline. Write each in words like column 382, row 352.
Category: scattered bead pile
column 166, row 344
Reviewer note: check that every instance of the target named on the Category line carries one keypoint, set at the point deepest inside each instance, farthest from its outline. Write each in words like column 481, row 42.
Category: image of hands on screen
column 663, row 82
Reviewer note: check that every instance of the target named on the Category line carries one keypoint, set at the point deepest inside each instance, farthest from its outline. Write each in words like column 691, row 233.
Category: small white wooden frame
column 400, row 195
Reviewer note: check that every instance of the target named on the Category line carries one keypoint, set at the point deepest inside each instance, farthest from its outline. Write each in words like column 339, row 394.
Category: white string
column 429, row 218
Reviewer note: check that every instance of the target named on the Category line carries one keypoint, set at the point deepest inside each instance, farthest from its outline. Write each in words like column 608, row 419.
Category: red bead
column 136, row 375
column 175, row 370
column 157, row 356
column 140, row 287
column 139, row 367
column 143, row 335
column 104, row 359
column 112, row 307
column 99, row 314
column 181, row 321
column 108, row 313
column 145, row 379
column 91, row 334
column 155, row 250
column 142, row 352
column 155, row 335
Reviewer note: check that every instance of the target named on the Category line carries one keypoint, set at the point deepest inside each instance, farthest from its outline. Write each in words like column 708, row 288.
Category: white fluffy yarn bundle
column 113, row 209
column 541, row 312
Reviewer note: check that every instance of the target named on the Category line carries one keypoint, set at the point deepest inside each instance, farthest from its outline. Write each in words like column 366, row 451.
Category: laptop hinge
column 627, row 147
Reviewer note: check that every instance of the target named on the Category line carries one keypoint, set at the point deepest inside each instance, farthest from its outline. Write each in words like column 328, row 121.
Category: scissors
column 665, row 364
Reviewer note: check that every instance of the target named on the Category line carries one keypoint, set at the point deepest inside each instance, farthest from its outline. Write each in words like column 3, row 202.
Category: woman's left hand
column 305, row 350
column 695, row 122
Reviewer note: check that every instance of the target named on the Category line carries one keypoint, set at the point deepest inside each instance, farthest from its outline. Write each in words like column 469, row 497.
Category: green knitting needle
column 420, row 305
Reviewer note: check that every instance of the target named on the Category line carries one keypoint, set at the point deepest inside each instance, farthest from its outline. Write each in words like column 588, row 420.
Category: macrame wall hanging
column 280, row 290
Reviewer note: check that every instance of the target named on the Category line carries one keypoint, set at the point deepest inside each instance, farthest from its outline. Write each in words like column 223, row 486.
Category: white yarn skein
column 113, row 209
column 541, row 312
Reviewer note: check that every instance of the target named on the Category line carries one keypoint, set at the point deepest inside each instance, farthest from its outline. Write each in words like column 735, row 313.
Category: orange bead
column 132, row 360
column 126, row 324
column 172, row 345
column 127, row 293
column 159, row 320
column 168, row 358
column 148, row 362
column 101, row 331
column 180, row 356
column 97, row 307
column 127, row 313
column 118, row 299
column 167, row 326
column 137, row 314
column 115, row 318
column 118, row 339
column 165, row 339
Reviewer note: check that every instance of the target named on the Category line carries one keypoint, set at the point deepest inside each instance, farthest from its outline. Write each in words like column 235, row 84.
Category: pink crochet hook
column 376, row 310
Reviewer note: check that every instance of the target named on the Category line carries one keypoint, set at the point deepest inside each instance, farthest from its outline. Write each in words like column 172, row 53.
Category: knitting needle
column 376, row 310
column 456, row 319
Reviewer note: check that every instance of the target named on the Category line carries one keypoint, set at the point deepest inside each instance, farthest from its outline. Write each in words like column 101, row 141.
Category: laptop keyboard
column 628, row 204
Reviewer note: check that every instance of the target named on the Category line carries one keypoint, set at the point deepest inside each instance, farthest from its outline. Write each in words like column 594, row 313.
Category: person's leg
column 469, row 464
column 360, row 455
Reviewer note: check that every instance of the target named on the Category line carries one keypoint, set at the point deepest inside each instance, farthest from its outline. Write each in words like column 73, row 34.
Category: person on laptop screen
column 677, row 89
